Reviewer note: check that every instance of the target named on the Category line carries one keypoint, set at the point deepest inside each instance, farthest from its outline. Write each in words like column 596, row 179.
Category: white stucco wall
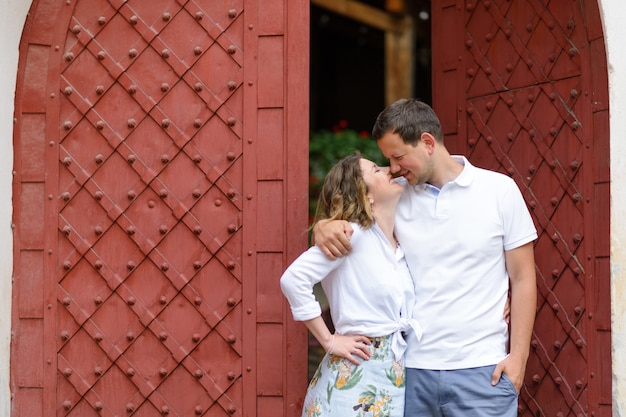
column 11, row 23
column 613, row 12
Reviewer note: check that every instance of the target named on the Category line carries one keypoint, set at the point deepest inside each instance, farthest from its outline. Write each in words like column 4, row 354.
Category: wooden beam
column 399, row 63
column 363, row 13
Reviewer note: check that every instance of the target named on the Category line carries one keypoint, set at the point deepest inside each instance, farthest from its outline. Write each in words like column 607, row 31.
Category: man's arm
column 520, row 264
column 332, row 237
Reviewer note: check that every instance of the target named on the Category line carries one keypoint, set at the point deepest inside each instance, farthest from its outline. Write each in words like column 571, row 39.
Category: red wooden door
column 521, row 88
column 153, row 210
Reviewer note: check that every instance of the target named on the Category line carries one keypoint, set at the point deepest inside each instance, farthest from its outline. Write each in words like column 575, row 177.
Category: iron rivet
column 131, row 158
column 579, row 343
column 163, row 193
column 198, row 410
column 197, row 301
column 231, row 376
column 101, row 55
column 197, row 123
column 50, row 197
column 165, row 123
column 102, row 20
column 66, row 301
column 536, row 379
column 197, row 50
column 199, row 15
column 130, row 407
column 165, row 87
column 198, row 373
column 231, row 156
column 151, row 204
column 195, row 337
column 232, row 13
column 99, row 125
column 163, row 372
column 232, row 228
column 67, row 161
column 218, row 202
column 470, row 72
column 231, row 339
column 166, row 17
column 197, row 265
column 557, row 344
column 65, row 335
column 130, row 265
column 250, row 27
column 130, row 335
column 165, row 267
column 197, row 230
column 133, row 20
column 67, row 265
column 132, row 123
column 51, row 143
column 98, row 300
column 98, row 406
column 488, row 37
column 196, row 193
column 67, row 230
column 249, row 196
column 163, row 336
column 165, row 158
column 250, row 141
column 231, row 265
column 231, row 85
column 132, row 89
column 198, row 87
column 249, row 253
column 165, row 53
column 67, row 125
column 68, row 56
column 98, row 371
column 67, row 405
column 52, row 95
column 163, row 229
column 163, row 300
column 231, row 302
column 98, row 195
column 76, row 29
column 250, row 83
column 165, row 410
column 98, row 337
column 197, row 159
column 65, row 196
column 131, row 301
column 99, row 158
column 132, row 53
column 231, row 49
column 131, row 194
column 249, row 311
column 231, row 409
column 469, row 43
column 98, row 264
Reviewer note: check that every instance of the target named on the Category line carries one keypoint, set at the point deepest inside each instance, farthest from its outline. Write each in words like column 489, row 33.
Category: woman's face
column 380, row 185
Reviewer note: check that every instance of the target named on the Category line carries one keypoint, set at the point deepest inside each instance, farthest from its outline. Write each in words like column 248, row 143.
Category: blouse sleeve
column 307, row 270
column 298, row 280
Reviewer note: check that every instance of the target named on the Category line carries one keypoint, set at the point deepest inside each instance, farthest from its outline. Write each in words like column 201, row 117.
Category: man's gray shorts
column 458, row 393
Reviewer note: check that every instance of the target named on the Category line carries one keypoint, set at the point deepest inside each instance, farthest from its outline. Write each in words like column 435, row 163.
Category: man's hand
column 333, row 237
column 513, row 368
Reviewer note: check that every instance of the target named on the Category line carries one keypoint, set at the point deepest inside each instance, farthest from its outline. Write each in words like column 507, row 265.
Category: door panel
column 140, row 226
column 522, row 87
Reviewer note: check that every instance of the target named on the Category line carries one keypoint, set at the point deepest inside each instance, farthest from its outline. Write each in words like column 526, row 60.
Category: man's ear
column 429, row 141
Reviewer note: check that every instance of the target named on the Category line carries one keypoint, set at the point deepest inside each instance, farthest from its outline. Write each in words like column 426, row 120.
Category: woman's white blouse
column 370, row 291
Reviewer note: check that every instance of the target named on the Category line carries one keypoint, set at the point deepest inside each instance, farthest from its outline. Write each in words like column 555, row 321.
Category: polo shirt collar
column 464, row 179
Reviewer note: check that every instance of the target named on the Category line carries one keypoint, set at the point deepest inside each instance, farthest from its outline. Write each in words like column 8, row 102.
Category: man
column 468, row 239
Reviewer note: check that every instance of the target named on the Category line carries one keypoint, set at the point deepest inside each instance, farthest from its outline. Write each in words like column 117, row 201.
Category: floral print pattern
column 375, row 388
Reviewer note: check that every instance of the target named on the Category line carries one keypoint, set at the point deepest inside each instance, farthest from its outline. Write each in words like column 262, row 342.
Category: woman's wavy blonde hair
column 344, row 194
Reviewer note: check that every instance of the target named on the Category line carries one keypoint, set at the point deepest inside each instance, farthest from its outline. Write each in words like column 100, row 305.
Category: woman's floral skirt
column 375, row 388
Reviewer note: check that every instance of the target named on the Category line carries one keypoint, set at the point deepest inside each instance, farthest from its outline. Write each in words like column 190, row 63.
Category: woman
column 370, row 294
